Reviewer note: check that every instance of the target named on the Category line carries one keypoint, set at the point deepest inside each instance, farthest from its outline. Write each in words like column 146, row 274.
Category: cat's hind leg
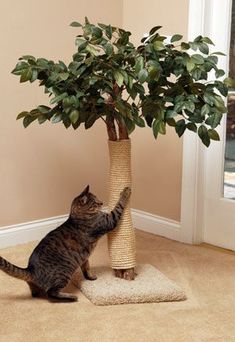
column 87, row 272
column 55, row 295
column 35, row 290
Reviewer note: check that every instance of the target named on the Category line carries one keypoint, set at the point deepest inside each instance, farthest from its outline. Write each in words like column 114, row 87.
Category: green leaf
column 143, row 75
column 20, row 67
column 97, row 32
column 90, row 121
column 176, row 37
column 198, row 39
column 28, row 57
column 209, row 98
column 205, row 110
column 229, row 82
column 159, row 126
column 58, row 98
column 162, row 127
column 193, row 45
column 212, row 59
column 34, row 75
column 154, row 29
column 179, row 106
column 22, row 115
column 197, row 59
column 75, row 24
column 219, row 103
column 180, row 127
column 109, row 31
column 171, row 122
column 219, row 73
column 218, row 53
column 214, row 120
column 190, row 106
column 26, row 75
column 43, row 109
column 42, row 118
column 190, row 65
column 192, row 126
column 125, row 76
column 213, row 134
column 197, row 74
column 84, row 46
column 67, row 122
column 108, row 49
column 185, row 46
column 203, row 134
column 158, row 45
column 118, row 77
column 171, row 113
column 223, row 89
column 79, row 41
column 207, row 40
column 155, row 128
column 64, row 75
column 87, row 22
column 139, row 121
column 130, row 125
column 103, row 26
column 204, row 48
column 57, row 117
column 74, row 115
column 139, row 64
column 28, row 120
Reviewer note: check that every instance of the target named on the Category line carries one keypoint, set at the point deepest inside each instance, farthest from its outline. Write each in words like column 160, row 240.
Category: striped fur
column 62, row 251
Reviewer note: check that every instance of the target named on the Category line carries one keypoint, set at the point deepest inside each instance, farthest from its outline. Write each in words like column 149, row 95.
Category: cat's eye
column 83, row 200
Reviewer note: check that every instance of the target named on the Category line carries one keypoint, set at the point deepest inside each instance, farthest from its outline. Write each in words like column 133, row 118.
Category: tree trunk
column 121, row 242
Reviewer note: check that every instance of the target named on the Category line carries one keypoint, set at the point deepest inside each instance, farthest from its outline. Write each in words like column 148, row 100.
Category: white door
column 219, row 166
column 208, row 183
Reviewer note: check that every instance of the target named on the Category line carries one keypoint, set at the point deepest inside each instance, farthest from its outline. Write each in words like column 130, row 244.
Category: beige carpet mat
column 149, row 286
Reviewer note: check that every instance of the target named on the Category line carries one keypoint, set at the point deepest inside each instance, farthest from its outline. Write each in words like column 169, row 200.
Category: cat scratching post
column 150, row 285
column 121, row 242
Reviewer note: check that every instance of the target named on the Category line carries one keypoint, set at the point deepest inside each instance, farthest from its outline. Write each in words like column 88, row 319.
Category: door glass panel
column 229, row 165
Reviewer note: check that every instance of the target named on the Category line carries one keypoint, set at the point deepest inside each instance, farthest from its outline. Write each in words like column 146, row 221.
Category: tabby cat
column 62, row 251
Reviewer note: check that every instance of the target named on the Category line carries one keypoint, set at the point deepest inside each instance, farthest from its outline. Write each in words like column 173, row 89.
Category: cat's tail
column 14, row 271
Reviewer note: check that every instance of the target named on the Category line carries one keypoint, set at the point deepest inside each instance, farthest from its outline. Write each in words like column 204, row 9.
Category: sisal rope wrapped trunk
column 121, row 242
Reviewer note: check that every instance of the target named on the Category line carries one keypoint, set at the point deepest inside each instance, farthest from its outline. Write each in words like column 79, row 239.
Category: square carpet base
column 149, row 286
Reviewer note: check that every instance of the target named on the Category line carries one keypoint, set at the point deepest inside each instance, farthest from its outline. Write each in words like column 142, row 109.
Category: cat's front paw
column 126, row 193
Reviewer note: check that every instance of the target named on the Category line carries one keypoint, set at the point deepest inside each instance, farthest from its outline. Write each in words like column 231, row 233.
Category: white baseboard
column 156, row 224
column 35, row 230
column 29, row 231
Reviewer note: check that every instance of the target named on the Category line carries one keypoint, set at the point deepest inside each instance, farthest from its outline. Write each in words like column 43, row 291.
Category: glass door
column 219, row 170
column 229, row 165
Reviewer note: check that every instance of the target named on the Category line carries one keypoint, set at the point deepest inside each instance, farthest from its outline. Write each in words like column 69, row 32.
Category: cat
column 63, row 250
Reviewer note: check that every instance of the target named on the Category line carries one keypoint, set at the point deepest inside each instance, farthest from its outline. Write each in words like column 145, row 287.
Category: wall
column 157, row 165
column 43, row 168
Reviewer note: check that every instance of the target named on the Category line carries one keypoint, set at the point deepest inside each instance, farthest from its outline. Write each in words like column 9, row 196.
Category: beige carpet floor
column 206, row 274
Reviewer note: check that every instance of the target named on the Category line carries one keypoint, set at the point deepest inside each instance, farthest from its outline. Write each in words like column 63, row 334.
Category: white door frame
column 201, row 16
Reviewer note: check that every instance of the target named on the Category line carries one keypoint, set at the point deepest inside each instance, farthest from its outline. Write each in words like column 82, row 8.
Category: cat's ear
column 84, row 195
column 85, row 191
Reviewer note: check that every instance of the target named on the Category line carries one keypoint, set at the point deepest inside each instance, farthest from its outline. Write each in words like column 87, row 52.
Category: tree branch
column 111, row 129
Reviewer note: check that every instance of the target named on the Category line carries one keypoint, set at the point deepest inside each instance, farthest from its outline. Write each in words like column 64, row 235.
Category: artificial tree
column 159, row 83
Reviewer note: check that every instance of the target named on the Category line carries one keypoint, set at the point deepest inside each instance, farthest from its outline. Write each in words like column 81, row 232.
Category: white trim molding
column 36, row 230
column 204, row 19
column 192, row 205
column 156, row 224
column 28, row 231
